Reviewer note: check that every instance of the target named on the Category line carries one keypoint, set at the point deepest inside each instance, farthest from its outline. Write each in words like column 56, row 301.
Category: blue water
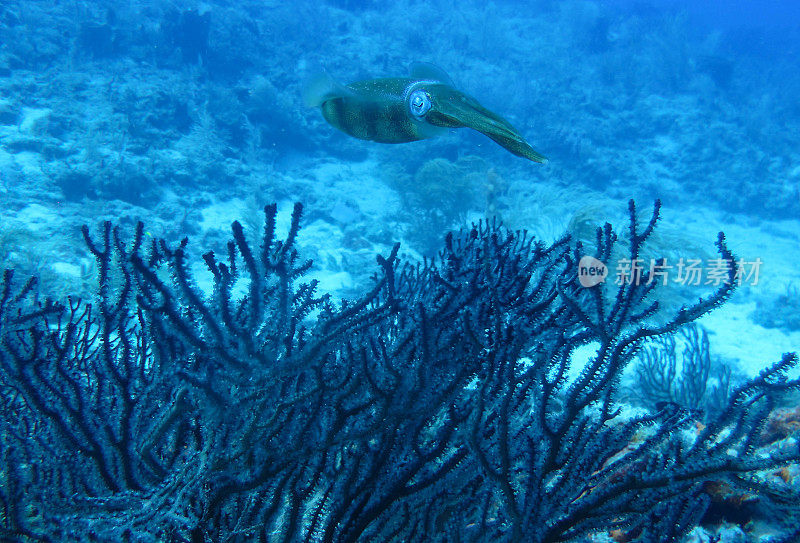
column 189, row 116
column 774, row 17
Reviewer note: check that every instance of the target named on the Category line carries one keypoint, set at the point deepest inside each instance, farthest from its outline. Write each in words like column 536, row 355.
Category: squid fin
column 430, row 72
column 321, row 87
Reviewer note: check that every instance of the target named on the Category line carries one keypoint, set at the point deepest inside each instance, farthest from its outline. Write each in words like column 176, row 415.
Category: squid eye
column 419, row 103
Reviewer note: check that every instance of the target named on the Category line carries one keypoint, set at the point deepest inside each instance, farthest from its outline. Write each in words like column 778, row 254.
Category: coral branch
column 442, row 405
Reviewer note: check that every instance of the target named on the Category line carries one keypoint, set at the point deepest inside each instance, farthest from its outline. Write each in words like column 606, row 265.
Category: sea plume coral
column 439, row 406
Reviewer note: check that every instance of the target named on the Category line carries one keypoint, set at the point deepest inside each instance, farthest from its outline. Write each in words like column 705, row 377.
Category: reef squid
column 404, row 109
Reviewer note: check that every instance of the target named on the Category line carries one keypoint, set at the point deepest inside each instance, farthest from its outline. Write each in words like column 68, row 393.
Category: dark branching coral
column 438, row 407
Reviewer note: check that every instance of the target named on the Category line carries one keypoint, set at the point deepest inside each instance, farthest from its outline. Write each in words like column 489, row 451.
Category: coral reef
column 695, row 382
column 779, row 311
column 782, row 423
column 438, row 197
column 442, row 405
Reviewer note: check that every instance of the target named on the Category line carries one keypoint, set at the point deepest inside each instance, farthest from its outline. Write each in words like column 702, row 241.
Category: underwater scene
column 358, row 271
